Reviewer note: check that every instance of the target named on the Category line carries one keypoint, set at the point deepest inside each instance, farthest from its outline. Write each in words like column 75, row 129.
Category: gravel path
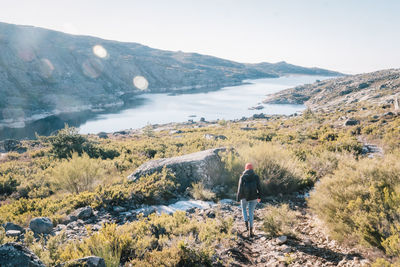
column 311, row 247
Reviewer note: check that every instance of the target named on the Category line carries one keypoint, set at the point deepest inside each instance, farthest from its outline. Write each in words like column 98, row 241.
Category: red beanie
column 248, row 166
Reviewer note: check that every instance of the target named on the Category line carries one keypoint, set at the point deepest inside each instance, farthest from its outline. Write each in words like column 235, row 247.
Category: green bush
column 68, row 140
column 198, row 191
column 78, row 174
column 155, row 188
column 279, row 169
column 8, row 184
column 280, row 220
column 361, row 199
column 166, row 240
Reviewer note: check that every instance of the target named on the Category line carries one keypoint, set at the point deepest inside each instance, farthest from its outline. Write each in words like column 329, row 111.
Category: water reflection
column 51, row 124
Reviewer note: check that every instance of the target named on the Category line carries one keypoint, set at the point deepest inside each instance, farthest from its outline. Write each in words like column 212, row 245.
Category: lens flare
column 100, row 51
column 92, row 68
column 140, row 82
column 26, row 54
column 46, row 68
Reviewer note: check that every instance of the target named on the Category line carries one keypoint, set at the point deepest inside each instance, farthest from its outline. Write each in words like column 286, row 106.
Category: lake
column 226, row 103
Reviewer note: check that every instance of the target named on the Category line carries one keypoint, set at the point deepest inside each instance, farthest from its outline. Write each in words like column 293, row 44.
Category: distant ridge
column 379, row 87
column 45, row 72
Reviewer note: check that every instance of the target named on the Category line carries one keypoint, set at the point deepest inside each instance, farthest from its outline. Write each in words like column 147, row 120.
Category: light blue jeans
column 252, row 205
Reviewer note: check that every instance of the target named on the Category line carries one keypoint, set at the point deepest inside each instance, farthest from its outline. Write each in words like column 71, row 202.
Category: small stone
column 41, row 225
column 286, row 249
column 119, row 209
column 13, row 233
column 211, row 214
column 351, row 122
column 281, row 240
column 91, row 261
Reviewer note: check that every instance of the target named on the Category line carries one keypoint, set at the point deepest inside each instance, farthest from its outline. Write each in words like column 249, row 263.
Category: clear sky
column 351, row 36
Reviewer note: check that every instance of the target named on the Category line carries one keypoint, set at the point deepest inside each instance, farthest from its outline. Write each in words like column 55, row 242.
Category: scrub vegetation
column 355, row 196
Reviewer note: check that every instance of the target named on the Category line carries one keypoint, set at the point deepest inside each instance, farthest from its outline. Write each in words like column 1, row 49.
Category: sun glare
column 100, row 51
column 140, row 82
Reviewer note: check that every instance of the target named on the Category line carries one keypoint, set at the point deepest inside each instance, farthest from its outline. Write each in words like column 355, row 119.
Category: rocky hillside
column 375, row 87
column 44, row 72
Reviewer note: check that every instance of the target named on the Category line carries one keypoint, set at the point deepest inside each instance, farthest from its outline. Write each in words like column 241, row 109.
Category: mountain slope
column 283, row 68
column 44, row 72
column 376, row 87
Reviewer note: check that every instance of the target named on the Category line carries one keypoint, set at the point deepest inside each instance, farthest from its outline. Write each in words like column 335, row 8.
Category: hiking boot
column 247, row 225
column 251, row 232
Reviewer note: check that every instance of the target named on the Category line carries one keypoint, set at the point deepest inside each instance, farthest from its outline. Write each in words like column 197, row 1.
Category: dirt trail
column 312, row 247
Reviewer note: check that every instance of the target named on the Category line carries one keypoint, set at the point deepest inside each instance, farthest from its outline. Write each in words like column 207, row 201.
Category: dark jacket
column 249, row 177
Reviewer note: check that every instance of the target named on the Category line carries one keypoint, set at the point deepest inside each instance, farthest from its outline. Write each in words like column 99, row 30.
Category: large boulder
column 91, row 261
column 204, row 166
column 41, row 225
column 13, row 254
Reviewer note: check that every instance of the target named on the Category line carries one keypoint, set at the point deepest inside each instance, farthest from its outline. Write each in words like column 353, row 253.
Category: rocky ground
column 311, row 247
column 380, row 87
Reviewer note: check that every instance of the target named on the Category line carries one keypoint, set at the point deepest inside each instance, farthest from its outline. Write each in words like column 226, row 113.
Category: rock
column 210, row 214
column 215, row 137
column 91, row 261
column 286, row 249
column 146, row 211
column 175, row 132
column 388, row 114
column 260, row 116
column 12, row 226
column 13, row 254
column 13, row 233
column 84, row 213
column 281, row 240
column 41, row 225
column 363, row 85
column 102, row 135
column 351, row 122
column 120, row 133
column 70, row 218
column 202, row 166
column 209, row 136
column 258, row 107
column 118, row 209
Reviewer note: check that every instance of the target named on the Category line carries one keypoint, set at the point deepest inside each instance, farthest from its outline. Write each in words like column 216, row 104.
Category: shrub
column 167, row 240
column 279, row 170
column 4, row 238
column 78, row 174
column 280, row 220
column 8, row 184
column 361, row 199
column 66, row 141
column 325, row 162
column 198, row 191
column 155, row 188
